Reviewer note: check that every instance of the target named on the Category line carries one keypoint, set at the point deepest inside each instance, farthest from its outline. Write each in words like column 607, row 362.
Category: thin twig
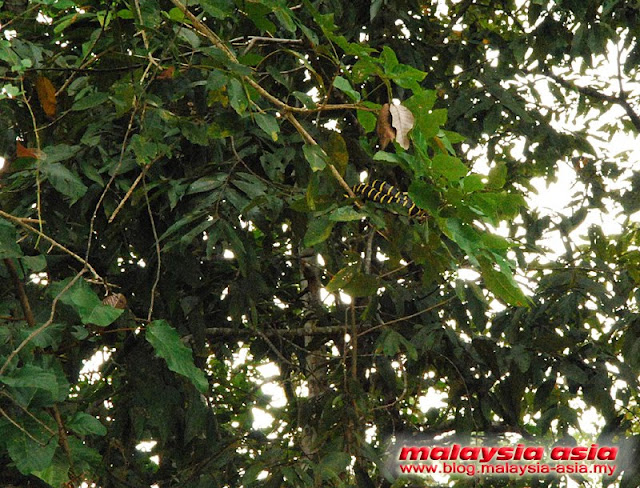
column 21, row 428
column 157, row 246
column 111, row 180
column 20, row 221
column 310, row 140
column 407, row 317
column 38, row 151
column 298, row 332
column 130, row 191
column 22, row 295
column 63, row 441
column 26, row 411
column 40, row 329
column 272, row 346
column 593, row 93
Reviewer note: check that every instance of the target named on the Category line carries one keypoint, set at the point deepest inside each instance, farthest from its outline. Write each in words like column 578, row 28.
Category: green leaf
column 167, row 344
column 220, row 9
column 337, row 153
column 84, row 424
column 237, row 96
column 90, row 101
column 341, row 278
column 502, row 284
column 144, row 149
column 9, row 247
column 65, row 181
column 367, row 120
column 333, row 464
column 258, row 12
column 449, row 166
column 315, row 155
column 306, row 100
column 30, row 456
column 425, row 196
column 318, row 231
column 362, row 285
column 86, row 303
column 472, row 183
column 284, row 16
column 56, row 474
column 497, row 176
column 345, row 214
column 30, row 376
column 344, row 86
column 268, row 124
column 60, row 152
column 206, row 184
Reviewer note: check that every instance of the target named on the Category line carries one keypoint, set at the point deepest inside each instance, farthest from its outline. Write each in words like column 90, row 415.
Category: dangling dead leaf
column 402, row 121
column 46, row 95
column 385, row 132
column 26, row 152
column 116, row 300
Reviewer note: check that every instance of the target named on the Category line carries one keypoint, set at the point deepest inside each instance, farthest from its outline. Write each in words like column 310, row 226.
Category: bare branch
column 21, row 222
column 22, row 296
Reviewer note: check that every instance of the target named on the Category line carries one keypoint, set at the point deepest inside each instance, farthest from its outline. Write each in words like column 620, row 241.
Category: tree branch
column 287, row 109
column 21, row 222
column 22, row 296
column 598, row 95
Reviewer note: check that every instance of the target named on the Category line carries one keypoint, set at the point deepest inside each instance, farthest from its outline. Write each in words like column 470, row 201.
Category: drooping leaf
column 84, row 424
column 318, row 231
column 402, row 121
column 86, row 303
column 316, row 156
column 46, row 95
column 343, row 85
column 167, row 344
column 386, row 133
column 268, row 124
column 25, row 152
column 336, row 150
column 64, row 180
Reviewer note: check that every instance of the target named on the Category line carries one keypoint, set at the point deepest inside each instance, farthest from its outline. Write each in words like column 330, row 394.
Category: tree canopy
column 177, row 206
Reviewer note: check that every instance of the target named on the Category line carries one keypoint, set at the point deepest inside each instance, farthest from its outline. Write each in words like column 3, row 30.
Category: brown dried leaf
column 402, row 120
column 46, row 95
column 116, row 300
column 26, row 152
column 385, row 132
column 167, row 74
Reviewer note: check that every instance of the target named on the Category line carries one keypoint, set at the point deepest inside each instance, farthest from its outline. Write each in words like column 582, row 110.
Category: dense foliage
column 175, row 203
